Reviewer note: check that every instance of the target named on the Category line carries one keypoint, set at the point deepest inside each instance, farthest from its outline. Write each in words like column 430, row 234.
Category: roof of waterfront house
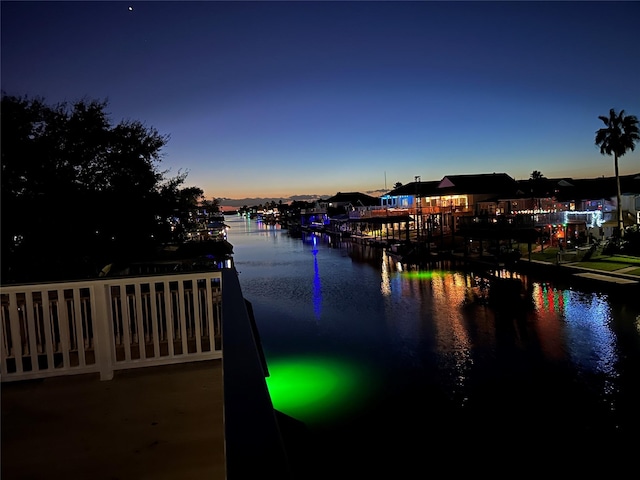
column 493, row 183
column 424, row 189
column 504, row 186
column 597, row 188
column 567, row 188
column 354, row 198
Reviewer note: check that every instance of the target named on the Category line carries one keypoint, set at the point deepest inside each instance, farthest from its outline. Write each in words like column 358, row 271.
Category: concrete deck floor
column 147, row 423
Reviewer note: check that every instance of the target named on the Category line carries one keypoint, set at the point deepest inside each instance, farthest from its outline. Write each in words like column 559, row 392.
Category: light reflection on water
column 549, row 358
column 589, row 338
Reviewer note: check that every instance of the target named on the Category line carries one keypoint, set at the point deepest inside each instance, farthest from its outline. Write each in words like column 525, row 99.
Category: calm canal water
column 406, row 372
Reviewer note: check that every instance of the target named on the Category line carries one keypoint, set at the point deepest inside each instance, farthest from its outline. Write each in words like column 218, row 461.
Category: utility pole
column 418, row 208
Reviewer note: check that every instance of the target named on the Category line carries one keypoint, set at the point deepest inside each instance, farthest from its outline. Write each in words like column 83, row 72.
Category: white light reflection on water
column 401, row 311
column 590, row 341
column 385, row 284
column 452, row 339
column 578, row 324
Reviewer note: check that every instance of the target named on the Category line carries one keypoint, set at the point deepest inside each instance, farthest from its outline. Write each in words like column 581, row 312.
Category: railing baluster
column 87, row 328
column 117, row 315
column 138, row 320
column 154, row 320
column 4, row 318
column 209, row 296
column 182, row 314
column 72, row 323
column 63, row 326
column 38, row 323
column 126, row 328
column 54, row 319
column 133, row 327
column 79, row 331
column 161, row 316
column 47, row 325
column 197, row 315
column 30, row 327
column 4, row 334
column 147, row 321
column 168, row 309
column 15, row 349
column 188, row 315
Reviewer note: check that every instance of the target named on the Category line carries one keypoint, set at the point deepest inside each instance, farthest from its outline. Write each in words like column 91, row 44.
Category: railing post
column 102, row 339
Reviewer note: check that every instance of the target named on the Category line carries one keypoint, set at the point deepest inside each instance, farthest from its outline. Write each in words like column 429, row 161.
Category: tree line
column 79, row 192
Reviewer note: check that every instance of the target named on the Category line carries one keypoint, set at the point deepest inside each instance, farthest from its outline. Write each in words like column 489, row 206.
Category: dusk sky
column 279, row 99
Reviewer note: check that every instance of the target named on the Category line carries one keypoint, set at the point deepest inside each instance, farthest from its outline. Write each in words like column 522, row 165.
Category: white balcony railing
column 104, row 325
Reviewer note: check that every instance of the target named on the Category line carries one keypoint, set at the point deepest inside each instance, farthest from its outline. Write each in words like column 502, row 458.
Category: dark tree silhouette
column 177, row 206
column 619, row 136
column 77, row 191
column 537, row 185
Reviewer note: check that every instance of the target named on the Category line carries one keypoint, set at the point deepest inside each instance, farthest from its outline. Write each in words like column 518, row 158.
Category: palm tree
column 536, row 183
column 618, row 137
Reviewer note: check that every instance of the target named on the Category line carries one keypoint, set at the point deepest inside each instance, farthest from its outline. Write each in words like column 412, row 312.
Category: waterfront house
column 438, row 206
column 343, row 202
column 314, row 218
column 600, row 195
column 578, row 209
column 549, row 210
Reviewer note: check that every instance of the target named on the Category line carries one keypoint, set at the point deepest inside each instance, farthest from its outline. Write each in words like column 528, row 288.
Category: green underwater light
column 421, row 274
column 316, row 389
